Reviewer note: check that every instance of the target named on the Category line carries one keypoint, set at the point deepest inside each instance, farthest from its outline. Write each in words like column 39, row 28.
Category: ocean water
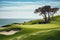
column 10, row 21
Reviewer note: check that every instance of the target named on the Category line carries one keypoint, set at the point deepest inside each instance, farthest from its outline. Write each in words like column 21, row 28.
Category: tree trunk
column 48, row 17
column 45, row 17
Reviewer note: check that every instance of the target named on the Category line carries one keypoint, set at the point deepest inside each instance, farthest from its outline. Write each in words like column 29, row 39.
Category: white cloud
column 19, row 15
column 24, row 9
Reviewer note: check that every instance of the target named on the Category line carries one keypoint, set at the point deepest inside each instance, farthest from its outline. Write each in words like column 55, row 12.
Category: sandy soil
column 8, row 33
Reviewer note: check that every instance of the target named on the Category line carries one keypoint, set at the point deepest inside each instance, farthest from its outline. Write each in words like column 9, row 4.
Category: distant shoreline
column 11, row 21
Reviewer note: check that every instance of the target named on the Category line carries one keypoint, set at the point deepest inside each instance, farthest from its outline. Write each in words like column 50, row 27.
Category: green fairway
column 50, row 31
column 40, row 26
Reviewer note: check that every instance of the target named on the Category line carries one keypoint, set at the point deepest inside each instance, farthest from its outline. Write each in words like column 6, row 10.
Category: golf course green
column 30, row 31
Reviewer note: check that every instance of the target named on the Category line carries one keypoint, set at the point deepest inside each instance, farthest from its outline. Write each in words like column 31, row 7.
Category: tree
column 54, row 10
column 47, row 10
column 41, row 11
column 44, row 10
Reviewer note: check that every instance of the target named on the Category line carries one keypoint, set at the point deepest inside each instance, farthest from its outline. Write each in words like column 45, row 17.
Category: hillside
column 56, row 19
column 32, row 30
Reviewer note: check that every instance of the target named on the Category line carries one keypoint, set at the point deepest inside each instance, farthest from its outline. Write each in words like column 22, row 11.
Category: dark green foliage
column 10, row 28
column 16, row 29
column 33, row 22
column 6, row 25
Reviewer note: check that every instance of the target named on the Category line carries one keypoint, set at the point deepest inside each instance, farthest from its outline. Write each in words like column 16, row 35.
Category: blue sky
column 29, row 0
column 24, row 8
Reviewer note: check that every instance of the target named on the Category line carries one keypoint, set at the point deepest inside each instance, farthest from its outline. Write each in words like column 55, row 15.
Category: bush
column 6, row 25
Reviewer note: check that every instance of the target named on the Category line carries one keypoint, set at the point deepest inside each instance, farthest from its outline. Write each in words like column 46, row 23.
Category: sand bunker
column 8, row 33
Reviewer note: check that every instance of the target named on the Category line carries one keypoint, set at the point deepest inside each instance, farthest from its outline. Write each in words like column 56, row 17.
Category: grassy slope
column 35, row 32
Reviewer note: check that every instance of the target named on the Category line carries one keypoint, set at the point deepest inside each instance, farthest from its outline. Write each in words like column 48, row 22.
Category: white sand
column 8, row 33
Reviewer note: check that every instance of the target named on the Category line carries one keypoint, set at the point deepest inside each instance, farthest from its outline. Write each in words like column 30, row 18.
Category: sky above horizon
column 24, row 8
